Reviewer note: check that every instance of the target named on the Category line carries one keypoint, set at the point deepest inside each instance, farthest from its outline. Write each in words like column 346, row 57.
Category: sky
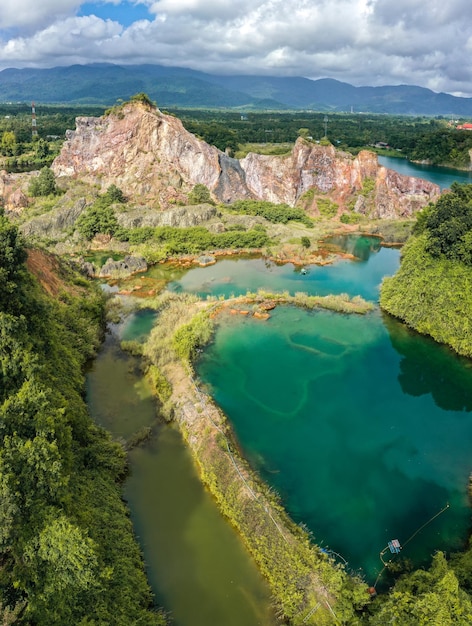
column 362, row 42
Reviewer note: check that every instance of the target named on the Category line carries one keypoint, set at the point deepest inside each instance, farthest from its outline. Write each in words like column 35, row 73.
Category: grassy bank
column 432, row 296
column 308, row 587
column 340, row 303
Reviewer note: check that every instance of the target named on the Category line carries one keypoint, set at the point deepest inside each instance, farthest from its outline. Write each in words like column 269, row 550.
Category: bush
column 188, row 338
column 326, row 207
column 44, row 184
column 350, row 218
column 200, row 194
column 142, row 97
column 99, row 218
column 275, row 213
column 114, row 194
column 138, row 235
column 368, row 185
column 195, row 239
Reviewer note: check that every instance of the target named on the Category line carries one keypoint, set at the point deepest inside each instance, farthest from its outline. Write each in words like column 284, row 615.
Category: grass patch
column 270, row 149
column 275, row 213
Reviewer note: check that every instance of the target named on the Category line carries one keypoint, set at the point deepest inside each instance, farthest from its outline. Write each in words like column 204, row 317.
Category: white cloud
column 367, row 42
column 34, row 13
column 70, row 41
column 202, row 9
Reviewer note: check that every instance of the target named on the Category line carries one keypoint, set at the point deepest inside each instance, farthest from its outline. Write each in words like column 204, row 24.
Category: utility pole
column 34, row 129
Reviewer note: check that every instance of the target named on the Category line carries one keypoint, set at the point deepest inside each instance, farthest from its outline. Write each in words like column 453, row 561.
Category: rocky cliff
column 13, row 190
column 154, row 160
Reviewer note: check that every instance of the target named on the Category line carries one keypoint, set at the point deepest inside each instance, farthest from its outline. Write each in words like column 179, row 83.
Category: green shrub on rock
column 44, row 184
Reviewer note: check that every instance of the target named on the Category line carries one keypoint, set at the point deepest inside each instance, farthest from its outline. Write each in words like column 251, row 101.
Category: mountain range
column 180, row 87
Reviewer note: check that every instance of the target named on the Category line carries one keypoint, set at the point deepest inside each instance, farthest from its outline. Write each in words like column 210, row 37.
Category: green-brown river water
column 196, row 564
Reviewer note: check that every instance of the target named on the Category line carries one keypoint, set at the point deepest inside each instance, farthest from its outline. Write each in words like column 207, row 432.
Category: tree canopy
column 431, row 290
column 426, row 597
column 44, row 184
column 12, row 256
column 67, row 550
column 448, row 224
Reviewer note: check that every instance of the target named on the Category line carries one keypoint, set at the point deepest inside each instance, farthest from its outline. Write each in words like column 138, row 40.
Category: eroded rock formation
column 13, row 190
column 154, row 160
column 120, row 269
column 149, row 155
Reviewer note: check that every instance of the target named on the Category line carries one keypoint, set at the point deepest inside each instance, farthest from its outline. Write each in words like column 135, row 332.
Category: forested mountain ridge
column 173, row 86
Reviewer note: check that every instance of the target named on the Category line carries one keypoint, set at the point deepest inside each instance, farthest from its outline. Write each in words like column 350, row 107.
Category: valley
column 261, row 322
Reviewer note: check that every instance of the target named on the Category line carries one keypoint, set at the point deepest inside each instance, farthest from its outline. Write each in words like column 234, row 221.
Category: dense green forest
column 21, row 151
column 432, row 291
column 67, row 550
column 416, row 138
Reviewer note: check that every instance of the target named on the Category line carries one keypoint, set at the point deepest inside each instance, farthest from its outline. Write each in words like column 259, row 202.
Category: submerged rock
column 206, row 259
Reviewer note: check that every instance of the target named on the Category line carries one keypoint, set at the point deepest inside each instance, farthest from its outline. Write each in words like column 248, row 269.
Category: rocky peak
column 154, row 160
column 144, row 152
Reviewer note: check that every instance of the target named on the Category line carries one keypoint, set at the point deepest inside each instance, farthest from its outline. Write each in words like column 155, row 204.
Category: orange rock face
column 153, row 159
column 147, row 154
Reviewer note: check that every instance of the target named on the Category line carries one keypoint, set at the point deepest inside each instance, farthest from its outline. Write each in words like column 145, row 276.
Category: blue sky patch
column 125, row 13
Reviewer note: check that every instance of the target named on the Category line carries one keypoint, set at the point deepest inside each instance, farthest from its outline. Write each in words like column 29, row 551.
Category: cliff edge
column 154, row 160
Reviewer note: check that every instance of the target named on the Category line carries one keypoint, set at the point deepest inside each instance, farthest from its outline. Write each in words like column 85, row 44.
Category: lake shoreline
column 300, row 575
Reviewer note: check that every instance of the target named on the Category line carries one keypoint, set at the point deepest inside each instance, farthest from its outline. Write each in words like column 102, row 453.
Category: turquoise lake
column 442, row 176
column 237, row 276
column 363, row 427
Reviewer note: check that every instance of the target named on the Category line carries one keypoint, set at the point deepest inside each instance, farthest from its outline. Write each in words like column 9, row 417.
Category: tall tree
column 12, row 256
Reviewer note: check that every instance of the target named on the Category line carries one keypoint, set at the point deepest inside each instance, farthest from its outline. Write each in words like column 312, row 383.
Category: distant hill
column 180, row 87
